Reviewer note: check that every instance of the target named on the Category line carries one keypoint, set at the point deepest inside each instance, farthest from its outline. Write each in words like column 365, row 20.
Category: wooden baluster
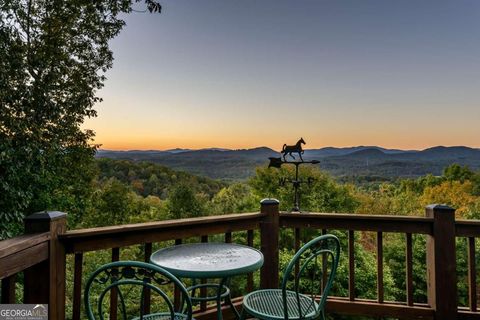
column 228, row 237
column 113, row 292
column 147, row 293
column 472, row 275
column 8, row 289
column 77, row 286
column 250, row 275
column 380, row 292
column 409, row 269
column 176, row 291
column 203, row 291
column 351, row 265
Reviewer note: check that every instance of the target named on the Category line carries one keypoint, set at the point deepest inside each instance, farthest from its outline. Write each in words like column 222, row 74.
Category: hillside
column 341, row 162
column 153, row 179
column 216, row 164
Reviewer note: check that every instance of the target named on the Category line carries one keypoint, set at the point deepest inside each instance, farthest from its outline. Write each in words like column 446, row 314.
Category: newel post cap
column 45, row 215
column 269, row 202
column 439, row 207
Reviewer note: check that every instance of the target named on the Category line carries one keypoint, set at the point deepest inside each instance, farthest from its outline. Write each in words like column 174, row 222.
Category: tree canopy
column 54, row 58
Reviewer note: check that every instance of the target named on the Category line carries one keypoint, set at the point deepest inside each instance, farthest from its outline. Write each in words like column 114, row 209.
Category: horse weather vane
column 278, row 162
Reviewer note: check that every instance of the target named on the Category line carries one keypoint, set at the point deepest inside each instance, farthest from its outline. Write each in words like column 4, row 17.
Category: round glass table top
column 208, row 260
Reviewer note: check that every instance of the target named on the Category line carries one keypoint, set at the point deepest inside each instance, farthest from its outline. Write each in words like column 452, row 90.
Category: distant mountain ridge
column 228, row 164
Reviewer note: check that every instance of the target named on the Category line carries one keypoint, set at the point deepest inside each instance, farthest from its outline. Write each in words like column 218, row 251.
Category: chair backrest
column 318, row 259
column 132, row 283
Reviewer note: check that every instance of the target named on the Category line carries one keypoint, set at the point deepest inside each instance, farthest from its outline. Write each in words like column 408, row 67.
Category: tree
column 183, row 203
column 53, row 58
column 456, row 172
column 322, row 195
column 233, row 199
column 455, row 194
column 114, row 203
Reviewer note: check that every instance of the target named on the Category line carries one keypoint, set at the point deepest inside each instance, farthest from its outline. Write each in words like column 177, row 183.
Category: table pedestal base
column 222, row 293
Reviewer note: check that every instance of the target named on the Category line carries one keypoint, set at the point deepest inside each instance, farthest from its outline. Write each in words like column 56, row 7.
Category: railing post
column 441, row 262
column 269, row 229
column 45, row 282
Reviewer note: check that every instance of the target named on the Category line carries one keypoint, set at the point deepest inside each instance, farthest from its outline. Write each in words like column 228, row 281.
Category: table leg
column 223, row 292
column 219, row 298
column 228, row 300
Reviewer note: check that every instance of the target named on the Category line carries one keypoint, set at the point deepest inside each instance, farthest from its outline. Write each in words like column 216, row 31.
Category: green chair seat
column 268, row 304
column 316, row 260
column 163, row 316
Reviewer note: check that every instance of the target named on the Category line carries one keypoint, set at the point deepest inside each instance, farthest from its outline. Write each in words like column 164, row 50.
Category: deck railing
column 42, row 253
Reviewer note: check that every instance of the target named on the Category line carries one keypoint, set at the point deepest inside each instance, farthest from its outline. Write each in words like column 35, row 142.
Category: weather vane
column 277, row 163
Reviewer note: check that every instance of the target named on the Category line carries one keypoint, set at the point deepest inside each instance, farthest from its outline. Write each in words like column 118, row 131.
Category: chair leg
column 243, row 314
column 322, row 315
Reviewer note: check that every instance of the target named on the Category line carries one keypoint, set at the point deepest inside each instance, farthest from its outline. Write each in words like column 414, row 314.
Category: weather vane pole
column 278, row 162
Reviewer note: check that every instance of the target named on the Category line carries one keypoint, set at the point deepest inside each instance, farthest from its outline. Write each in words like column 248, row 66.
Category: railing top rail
column 360, row 222
column 156, row 225
column 131, row 234
column 20, row 243
column 467, row 228
column 19, row 253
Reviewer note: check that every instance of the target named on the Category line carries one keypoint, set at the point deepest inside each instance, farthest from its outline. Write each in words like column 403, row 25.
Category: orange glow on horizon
column 275, row 145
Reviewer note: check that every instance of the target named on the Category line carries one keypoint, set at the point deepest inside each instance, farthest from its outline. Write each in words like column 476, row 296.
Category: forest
column 131, row 192
column 126, row 191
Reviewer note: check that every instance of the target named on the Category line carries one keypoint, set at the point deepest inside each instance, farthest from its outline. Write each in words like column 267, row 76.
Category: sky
column 241, row 74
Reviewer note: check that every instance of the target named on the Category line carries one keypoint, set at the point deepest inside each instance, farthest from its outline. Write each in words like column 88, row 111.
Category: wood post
column 8, row 289
column 45, row 282
column 269, row 232
column 441, row 262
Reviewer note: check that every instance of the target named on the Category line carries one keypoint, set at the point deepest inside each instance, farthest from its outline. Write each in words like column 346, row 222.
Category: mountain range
column 360, row 161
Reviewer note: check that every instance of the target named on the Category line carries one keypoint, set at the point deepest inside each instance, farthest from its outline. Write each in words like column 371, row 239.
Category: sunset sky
column 240, row 74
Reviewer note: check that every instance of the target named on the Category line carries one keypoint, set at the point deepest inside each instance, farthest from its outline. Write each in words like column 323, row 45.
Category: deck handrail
column 84, row 240
column 358, row 222
column 46, row 235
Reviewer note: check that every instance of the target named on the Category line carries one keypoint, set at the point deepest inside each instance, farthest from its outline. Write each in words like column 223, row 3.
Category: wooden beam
column 17, row 244
column 269, row 230
column 23, row 260
column 8, row 290
column 441, row 262
column 467, row 228
column 45, row 282
column 357, row 222
column 91, row 240
column 374, row 309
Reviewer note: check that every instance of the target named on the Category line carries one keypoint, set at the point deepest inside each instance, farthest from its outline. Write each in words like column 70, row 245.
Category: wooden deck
column 46, row 246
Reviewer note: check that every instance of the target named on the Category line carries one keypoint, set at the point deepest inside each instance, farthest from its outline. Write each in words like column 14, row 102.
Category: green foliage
column 183, row 203
column 120, row 199
column 54, row 55
column 234, row 199
column 323, row 195
column 456, row 172
column 148, row 178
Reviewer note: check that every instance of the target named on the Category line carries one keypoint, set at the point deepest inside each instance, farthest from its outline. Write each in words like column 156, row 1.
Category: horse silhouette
column 297, row 148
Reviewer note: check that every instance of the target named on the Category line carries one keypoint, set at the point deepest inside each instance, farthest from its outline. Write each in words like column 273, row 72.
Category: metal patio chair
column 133, row 282
column 317, row 259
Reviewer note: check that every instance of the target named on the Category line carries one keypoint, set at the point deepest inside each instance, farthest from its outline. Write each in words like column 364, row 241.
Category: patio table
column 209, row 261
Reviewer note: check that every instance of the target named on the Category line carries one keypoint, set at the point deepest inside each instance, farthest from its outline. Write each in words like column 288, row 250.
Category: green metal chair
column 317, row 259
column 132, row 282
